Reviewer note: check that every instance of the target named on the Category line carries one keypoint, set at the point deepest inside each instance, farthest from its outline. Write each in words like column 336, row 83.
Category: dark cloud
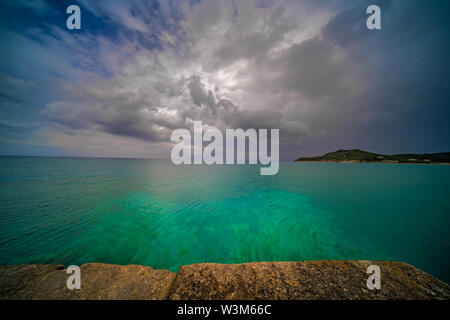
column 241, row 43
column 313, row 70
column 349, row 25
column 13, row 90
column 405, row 64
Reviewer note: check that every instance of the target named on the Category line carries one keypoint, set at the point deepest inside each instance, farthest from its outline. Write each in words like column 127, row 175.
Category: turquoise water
column 151, row 212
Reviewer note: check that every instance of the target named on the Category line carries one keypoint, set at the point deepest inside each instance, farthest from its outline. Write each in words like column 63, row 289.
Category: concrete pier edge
column 308, row 280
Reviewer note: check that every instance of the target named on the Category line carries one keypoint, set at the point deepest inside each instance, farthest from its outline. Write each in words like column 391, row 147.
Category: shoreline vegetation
column 309, row 280
column 361, row 156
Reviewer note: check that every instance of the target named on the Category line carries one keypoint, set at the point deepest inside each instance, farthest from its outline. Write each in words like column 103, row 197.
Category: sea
column 154, row 213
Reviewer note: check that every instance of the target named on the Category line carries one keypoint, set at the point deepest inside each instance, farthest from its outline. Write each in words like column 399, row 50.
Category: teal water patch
column 260, row 226
column 150, row 212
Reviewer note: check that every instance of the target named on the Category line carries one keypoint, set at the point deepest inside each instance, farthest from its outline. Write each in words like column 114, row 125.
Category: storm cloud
column 138, row 70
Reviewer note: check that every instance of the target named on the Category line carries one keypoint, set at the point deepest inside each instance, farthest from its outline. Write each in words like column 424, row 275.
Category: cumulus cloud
column 235, row 53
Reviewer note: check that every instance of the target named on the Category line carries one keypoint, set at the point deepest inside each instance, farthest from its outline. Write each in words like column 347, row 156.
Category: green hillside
column 357, row 155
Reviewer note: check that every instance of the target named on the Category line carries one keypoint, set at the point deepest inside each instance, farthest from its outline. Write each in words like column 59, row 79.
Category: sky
column 137, row 70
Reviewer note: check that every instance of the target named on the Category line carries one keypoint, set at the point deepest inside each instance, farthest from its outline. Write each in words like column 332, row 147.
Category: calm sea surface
column 151, row 212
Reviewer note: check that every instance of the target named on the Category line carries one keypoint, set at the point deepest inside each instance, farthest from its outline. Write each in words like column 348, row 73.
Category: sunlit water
column 151, row 212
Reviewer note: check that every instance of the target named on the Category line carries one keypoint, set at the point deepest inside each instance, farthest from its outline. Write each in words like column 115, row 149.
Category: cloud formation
column 310, row 69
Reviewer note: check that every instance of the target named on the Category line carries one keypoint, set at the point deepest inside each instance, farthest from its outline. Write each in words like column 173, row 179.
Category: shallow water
column 151, row 212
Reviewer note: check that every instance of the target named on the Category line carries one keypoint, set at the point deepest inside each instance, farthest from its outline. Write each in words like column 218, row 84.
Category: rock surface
column 98, row 282
column 304, row 280
column 256, row 280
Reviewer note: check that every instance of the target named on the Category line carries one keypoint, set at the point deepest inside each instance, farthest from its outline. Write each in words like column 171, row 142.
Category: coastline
column 309, row 280
column 377, row 162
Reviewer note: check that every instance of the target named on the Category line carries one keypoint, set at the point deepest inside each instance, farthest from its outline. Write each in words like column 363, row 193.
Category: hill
column 357, row 155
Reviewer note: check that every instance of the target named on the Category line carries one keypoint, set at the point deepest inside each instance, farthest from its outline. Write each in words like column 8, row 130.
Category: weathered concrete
column 304, row 280
column 257, row 280
column 98, row 281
